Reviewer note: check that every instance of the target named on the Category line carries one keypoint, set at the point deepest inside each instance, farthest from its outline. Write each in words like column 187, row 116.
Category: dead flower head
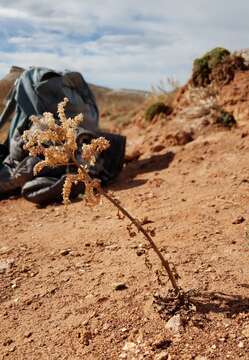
column 56, row 141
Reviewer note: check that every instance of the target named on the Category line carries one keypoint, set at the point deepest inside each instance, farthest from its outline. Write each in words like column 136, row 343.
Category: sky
column 119, row 43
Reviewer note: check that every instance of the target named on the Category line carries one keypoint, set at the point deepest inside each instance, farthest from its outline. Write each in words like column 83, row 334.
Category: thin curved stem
column 139, row 226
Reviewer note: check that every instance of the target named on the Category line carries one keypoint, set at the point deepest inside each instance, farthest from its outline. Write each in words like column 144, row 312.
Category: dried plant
column 56, row 141
column 204, row 103
column 201, row 102
column 57, row 144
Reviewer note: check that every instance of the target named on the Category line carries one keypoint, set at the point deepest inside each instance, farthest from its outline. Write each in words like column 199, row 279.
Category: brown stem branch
column 139, row 226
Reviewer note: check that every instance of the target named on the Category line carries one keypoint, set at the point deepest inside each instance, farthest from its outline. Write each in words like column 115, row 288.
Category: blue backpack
column 40, row 90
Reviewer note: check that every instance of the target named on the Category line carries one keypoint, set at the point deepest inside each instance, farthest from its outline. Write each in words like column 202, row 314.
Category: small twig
column 138, row 225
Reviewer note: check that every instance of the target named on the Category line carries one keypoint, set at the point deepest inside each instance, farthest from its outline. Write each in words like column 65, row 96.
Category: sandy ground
column 59, row 267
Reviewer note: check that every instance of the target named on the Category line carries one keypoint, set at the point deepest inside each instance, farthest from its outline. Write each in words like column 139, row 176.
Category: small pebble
column 120, row 286
column 241, row 344
column 4, row 266
column 239, row 220
column 27, row 334
column 123, row 330
column 65, row 252
column 245, row 331
column 174, row 324
column 162, row 356
column 140, row 252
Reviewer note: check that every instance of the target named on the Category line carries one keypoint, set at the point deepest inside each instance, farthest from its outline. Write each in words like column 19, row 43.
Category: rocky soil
column 75, row 284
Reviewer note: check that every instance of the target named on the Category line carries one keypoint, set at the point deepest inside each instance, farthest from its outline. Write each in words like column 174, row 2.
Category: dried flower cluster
column 56, row 141
column 199, row 102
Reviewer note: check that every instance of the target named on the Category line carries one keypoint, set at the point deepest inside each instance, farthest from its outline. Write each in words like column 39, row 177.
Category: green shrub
column 203, row 66
column 156, row 109
column 226, row 119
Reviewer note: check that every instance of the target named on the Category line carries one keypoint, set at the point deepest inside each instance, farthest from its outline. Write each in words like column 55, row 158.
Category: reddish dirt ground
column 59, row 266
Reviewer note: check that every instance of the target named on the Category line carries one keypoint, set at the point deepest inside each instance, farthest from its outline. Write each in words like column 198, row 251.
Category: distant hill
column 121, row 99
column 105, row 97
column 103, row 94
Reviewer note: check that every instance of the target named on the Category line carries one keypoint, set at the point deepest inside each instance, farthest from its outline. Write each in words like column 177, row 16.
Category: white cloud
column 12, row 13
column 120, row 43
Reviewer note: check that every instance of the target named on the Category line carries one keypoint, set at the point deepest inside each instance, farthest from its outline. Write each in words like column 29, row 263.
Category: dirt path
column 59, row 266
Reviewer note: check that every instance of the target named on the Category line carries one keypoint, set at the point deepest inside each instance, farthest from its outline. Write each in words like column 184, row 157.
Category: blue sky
column 120, row 44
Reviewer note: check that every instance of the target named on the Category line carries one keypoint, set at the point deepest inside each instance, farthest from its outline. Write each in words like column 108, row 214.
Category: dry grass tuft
column 163, row 93
column 199, row 102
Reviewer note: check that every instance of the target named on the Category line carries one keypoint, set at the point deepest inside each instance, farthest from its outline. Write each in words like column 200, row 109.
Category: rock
column 134, row 246
column 13, row 348
column 86, row 337
column 5, row 265
column 100, row 243
column 129, row 346
column 7, row 342
column 174, row 324
column 140, row 252
column 4, row 250
column 65, row 252
column 205, row 122
column 120, row 286
column 27, row 334
column 245, row 331
column 223, row 339
column 161, row 343
column 241, row 344
column 134, row 155
column 13, row 285
column 74, row 253
column 183, row 137
column 123, row 330
column 162, row 356
column 158, row 148
column 239, row 220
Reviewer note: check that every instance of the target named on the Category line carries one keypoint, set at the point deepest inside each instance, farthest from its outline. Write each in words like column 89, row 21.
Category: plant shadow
column 195, row 304
column 218, row 302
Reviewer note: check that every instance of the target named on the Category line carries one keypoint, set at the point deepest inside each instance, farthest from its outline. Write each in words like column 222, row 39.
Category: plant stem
column 139, row 226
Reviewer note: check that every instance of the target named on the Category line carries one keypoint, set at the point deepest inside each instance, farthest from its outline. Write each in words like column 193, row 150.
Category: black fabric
column 110, row 162
column 47, row 190
column 13, row 175
column 3, row 153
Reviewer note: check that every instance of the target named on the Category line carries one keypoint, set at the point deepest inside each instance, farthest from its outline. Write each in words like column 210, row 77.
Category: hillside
column 75, row 284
